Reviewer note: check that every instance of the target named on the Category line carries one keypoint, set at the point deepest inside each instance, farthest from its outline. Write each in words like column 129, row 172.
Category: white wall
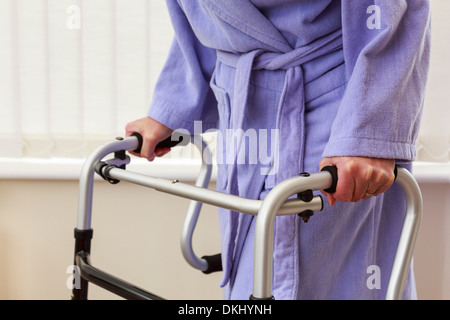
column 136, row 237
column 432, row 253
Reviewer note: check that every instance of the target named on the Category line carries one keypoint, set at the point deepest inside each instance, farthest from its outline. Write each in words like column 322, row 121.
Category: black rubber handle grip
column 167, row 143
column 334, row 176
column 214, row 263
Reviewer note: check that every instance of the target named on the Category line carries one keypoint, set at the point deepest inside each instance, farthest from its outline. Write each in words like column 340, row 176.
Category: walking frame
column 277, row 202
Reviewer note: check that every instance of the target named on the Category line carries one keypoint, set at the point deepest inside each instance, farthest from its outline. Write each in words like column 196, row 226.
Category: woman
column 340, row 83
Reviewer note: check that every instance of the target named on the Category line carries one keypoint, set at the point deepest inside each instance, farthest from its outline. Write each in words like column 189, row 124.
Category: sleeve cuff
column 176, row 120
column 364, row 147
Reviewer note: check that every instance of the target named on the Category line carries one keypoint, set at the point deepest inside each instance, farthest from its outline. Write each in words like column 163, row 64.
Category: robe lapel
column 243, row 15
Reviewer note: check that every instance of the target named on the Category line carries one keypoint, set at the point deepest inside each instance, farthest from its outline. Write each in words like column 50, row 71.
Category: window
column 74, row 72
column 434, row 139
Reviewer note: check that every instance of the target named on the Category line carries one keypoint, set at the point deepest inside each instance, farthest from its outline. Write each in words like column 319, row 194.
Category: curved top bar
column 87, row 177
column 264, row 231
column 405, row 248
column 194, row 208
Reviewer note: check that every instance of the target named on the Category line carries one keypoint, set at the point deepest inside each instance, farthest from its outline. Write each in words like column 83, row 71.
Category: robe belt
column 290, row 117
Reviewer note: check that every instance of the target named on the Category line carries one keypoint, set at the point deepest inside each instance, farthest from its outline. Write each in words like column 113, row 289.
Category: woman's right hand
column 152, row 133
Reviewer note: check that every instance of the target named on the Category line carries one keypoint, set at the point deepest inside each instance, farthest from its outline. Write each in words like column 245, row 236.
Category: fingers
column 148, row 147
column 152, row 133
column 148, row 144
column 359, row 177
column 331, row 200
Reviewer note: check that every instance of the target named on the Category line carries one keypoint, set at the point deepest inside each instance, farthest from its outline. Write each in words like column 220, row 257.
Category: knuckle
column 379, row 177
column 351, row 166
column 369, row 173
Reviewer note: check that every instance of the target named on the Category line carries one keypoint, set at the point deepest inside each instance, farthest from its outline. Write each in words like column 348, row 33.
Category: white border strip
column 181, row 169
column 70, row 169
column 432, row 172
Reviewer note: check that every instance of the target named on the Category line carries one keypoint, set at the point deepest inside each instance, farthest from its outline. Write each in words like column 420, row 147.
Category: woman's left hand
column 359, row 177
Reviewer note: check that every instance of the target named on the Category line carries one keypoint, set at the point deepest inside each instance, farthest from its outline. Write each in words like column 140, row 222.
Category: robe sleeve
column 182, row 93
column 387, row 53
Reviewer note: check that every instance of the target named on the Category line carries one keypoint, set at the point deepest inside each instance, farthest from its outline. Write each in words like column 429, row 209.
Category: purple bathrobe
column 286, row 83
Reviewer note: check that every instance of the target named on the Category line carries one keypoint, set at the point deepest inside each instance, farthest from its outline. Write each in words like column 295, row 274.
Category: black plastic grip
column 140, row 140
column 333, row 171
column 334, row 178
column 214, row 263
column 167, row 143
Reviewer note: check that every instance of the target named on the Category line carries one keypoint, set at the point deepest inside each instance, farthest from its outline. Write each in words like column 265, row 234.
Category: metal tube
column 262, row 284
column 198, row 193
column 109, row 282
column 194, row 208
column 405, row 248
column 87, row 177
column 212, row 197
column 264, row 229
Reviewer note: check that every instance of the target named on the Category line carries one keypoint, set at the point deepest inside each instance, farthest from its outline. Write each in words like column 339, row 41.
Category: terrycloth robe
column 287, row 82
